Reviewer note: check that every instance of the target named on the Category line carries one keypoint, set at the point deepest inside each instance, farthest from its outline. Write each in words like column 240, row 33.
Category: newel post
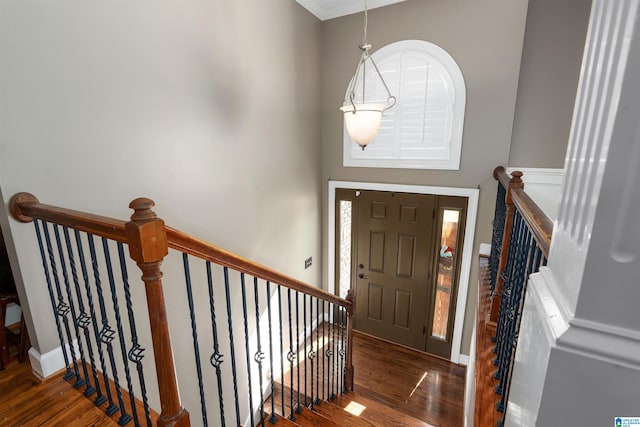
column 348, row 375
column 148, row 246
column 515, row 182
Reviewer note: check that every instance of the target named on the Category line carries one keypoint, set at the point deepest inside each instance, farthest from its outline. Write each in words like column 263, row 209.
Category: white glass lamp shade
column 364, row 124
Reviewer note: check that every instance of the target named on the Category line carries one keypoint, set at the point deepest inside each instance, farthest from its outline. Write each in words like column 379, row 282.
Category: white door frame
column 465, row 271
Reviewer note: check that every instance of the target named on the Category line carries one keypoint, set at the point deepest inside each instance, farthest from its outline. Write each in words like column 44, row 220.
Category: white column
column 578, row 357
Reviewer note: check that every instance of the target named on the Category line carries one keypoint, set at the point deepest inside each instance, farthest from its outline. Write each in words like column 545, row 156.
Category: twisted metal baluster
column 324, row 354
column 82, row 321
column 194, row 336
column 259, row 356
column 304, row 329
column 124, row 417
column 318, row 351
column 100, row 398
column 312, row 353
column 290, row 357
column 106, row 334
column 514, row 277
column 136, row 353
column 62, row 308
column 332, row 357
column 232, row 344
column 499, row 218
column 274, row 418
column 56, row 314
column 506, row 287
column 298, row 408
column 342, row 352
column 246, row 345
column 282, row 384
column 216, row 358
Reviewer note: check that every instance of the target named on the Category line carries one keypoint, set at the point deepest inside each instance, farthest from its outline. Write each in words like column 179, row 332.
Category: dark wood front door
column 393, row 265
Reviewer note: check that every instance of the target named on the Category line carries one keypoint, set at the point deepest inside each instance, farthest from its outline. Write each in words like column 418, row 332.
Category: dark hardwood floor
column 26, row 402
column 486, row 414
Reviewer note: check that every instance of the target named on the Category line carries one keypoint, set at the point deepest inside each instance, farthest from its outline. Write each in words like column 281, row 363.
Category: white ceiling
column 328, row 9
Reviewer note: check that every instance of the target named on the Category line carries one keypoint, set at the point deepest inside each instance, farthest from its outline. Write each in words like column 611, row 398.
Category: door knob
column 360, row 266
column 362, row 276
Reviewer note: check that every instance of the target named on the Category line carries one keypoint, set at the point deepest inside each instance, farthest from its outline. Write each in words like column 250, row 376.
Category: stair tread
column 309, row 418
column 341, row 415
column 282, row 421
column 378, row 413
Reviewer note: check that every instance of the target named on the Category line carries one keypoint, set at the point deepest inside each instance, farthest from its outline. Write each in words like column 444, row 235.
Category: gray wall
column 209, row 108
column 551, row 59
column 485, row 39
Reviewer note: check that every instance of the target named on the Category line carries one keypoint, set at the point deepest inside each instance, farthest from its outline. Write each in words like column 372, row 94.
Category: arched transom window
column 424, row 129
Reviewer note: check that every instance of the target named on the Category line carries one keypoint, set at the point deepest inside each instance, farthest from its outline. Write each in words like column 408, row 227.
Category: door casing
column 472, row 212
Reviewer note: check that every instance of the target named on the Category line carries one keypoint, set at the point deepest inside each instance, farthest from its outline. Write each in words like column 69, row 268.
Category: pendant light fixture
column 363, row 119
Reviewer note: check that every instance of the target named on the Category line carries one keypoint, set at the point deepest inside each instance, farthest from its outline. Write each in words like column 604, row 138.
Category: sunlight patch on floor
column 354, row 408
column 418, row 385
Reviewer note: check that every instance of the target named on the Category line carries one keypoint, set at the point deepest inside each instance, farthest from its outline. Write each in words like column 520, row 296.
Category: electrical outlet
column 308, row 262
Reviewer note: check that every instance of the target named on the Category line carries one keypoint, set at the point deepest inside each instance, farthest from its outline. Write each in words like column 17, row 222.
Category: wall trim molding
column 471, row 194
column 50, row 363
column 539, row 175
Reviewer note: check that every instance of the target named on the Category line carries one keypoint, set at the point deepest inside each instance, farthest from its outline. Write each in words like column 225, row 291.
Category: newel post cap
column 145, row 232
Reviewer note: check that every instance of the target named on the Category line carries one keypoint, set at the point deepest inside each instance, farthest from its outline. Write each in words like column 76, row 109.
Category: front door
column 393, row 265
column 401, row 254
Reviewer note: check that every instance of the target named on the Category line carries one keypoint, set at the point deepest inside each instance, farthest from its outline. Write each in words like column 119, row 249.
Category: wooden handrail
column 500, row 174
column 24, row 207
column 201, row 249
column 539, row 222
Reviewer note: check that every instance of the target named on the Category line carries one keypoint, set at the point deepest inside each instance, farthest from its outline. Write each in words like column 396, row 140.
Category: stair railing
column 520, row 246
column 314, row 339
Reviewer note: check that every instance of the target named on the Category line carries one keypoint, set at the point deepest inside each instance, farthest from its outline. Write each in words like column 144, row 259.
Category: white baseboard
column 485, row 249
column 52, row 362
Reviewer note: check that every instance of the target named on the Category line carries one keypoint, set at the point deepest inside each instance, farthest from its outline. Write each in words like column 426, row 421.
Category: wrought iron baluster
column 136, row 353
column 343, row 328
column 291, row 357
column 72, row 309
column 82, row 321
column 216, row 357
column 100, row 398
column 332, row 356
column 194, row 335
column 312, row 353
column 62, row 308
column 124, row 417
column 232, row 345
column 324, row 354
column 282, row 384
column 274, row 418
column 298, row 407
column 54, row 306
column 507, row 275
column 497, row 236
column 318, row 351
column 106, row 334
column 304, row 329
column 246, row 345
column 259, row 356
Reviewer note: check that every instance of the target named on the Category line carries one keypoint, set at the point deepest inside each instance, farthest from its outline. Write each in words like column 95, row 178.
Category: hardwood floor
column 486, row 414
column 25, row 402
column 398, row 386
column 417, row 384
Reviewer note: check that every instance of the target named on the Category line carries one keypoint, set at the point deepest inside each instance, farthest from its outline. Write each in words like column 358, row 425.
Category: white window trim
column 465, row 270
column 453, row 163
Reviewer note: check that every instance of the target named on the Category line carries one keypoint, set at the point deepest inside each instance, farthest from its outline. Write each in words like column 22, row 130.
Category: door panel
column 393, row 258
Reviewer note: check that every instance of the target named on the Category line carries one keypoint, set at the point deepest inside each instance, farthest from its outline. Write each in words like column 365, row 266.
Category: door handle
column 362, row 276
